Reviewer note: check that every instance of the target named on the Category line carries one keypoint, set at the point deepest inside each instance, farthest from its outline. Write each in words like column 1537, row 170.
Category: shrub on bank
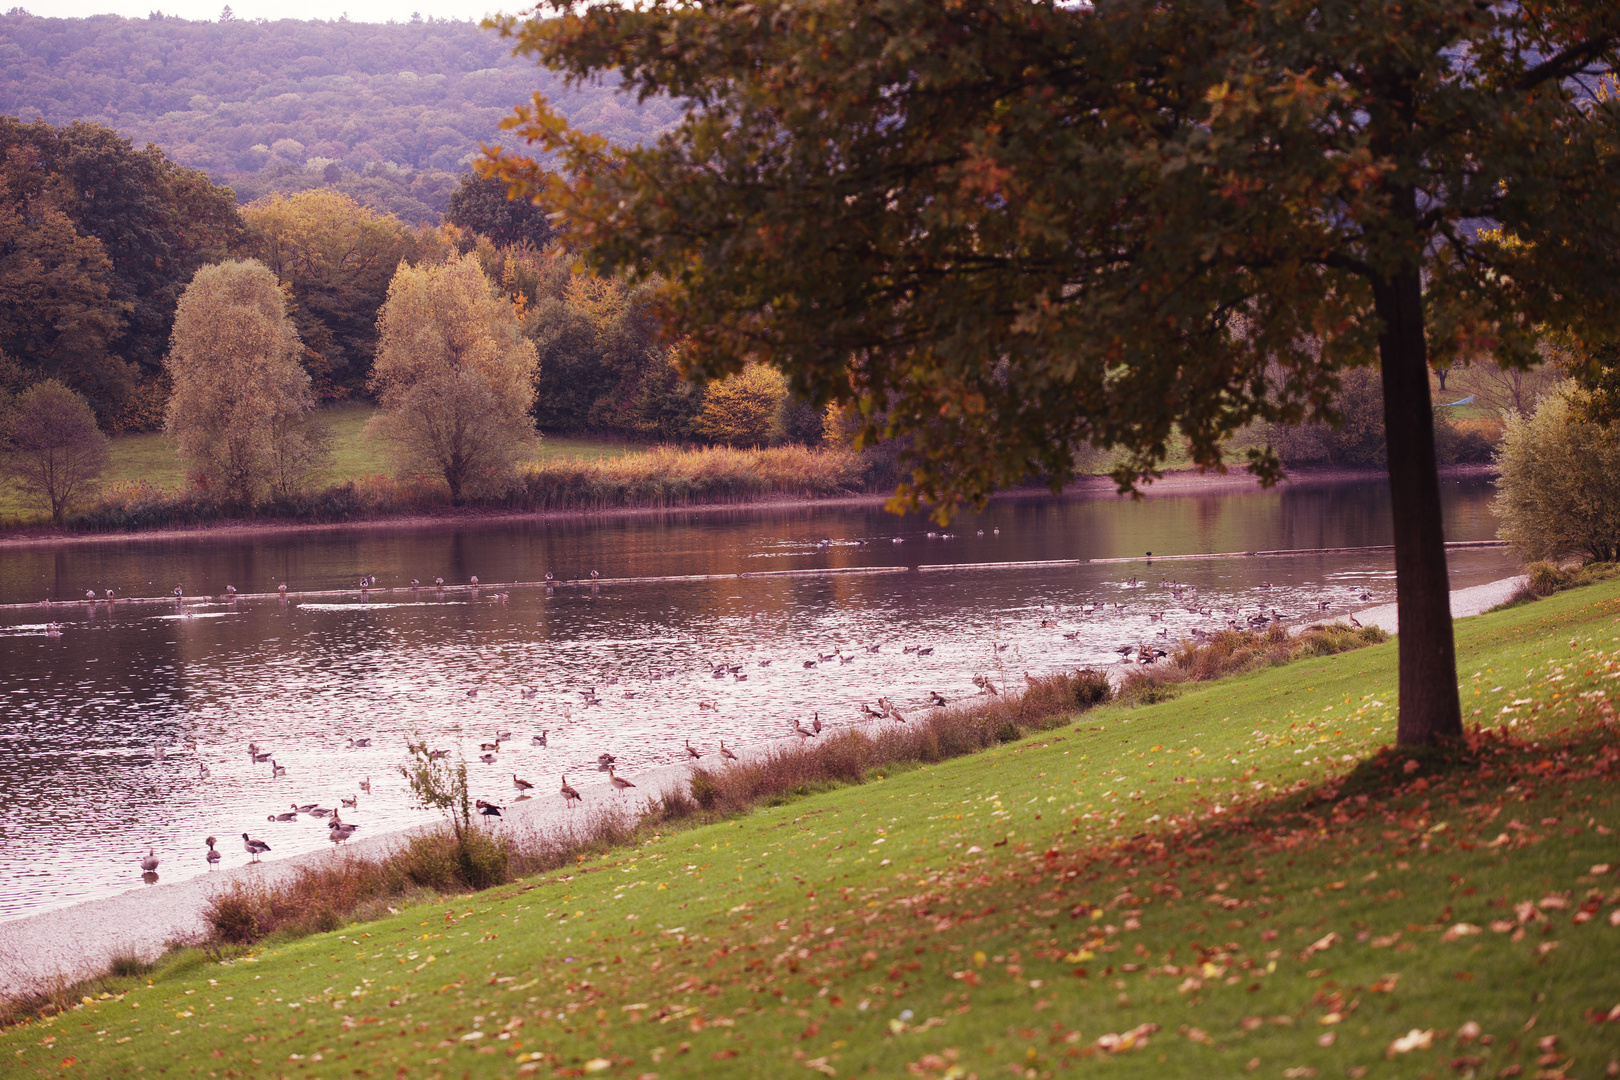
column 1233, row 652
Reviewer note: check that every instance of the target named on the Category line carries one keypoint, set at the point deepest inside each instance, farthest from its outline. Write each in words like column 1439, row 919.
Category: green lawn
column 1217, row 885
column 152, row 457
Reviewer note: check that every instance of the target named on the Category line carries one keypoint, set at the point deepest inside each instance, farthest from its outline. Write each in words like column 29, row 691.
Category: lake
column 85, row 710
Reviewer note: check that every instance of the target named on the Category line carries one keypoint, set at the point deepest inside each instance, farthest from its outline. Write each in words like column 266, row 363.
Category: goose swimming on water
column 150, row 863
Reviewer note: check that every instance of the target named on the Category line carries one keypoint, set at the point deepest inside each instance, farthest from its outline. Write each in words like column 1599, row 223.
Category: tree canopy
column 1012, row 228
column 454, row 375
column 240, row 391
column 53, row 451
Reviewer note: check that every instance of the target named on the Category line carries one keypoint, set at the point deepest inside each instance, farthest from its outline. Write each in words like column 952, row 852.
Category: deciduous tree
column 54, row 453
column 455, row 376
column 1013, row 227
column 744, row 409
column 240, row 393
column 1559, row 493
column 480, row 205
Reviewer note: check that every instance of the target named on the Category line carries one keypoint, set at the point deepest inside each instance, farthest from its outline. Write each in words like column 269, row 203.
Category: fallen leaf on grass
column 1412, row 1040
column 1462, row 929
column 1134, row 1039
column 1387, row 984
column 1321, row 944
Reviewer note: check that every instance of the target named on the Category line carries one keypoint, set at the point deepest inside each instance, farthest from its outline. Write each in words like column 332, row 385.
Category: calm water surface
column 83, row 712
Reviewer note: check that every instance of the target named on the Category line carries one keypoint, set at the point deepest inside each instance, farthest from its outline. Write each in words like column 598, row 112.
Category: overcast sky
column 358, row 10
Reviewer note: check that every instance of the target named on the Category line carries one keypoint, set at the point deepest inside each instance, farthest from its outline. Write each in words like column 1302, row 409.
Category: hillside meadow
column 1244, row 880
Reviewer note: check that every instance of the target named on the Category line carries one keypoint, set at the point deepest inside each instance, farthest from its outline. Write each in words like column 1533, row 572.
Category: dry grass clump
column 845, row 757
column 671, row 477
column 1233, row 652
column 1544, row 578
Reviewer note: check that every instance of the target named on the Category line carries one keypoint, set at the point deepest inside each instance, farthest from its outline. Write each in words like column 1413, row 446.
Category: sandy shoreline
column 78, row 941
column 1176, row 482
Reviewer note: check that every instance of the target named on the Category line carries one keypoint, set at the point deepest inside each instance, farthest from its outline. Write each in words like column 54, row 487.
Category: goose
column 53, row 629
column 708, row 705
column 1323, row 605
column 936, row 697
column 521, row 784
column 277, row 770
column 1165, row 633
column 874, row 648
column 926, row 650
column 503, row 736
column 473, row 581
column 605, row 758
column 867, row 710
column 801, row 731
column 528, row 693
column 487, row 759
column 261, row 758
column 619, row 783
column 909, row 649
column 356, row 744
column 815, row 724
column 289, row 816
column 230, row 590
column 212, row 856
column 1364, row 595
column 980, row 533
column 549, row 578
column 109, row 596
column 150, row 863
column 1071, row 637
column 90, row 595
column 473, row 692
column 1353, row 622
column 740, row 676
column 595, row 575
column 282, row 588
column 338, row 832
column 999, row 647
column 254, row 847
column 365, row 785
column 894, row 713
column 1266, row 585
column 693, row 754
column 435, row 755
column 764, row 663
column 727, row 754
column 321, row 812
column 202, row 771
column 846, row 659
column 488, row 809
column 808, row 664
column 1155, row 616
column 352, row 802
column 415, row 583
column 438, row 583
column 540, row 739
column 306, row 808
column 179, row 591
column 1119, row 609
column 570, row 796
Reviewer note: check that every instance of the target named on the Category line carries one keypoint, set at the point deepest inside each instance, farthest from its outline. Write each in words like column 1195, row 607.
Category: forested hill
column 388, row 113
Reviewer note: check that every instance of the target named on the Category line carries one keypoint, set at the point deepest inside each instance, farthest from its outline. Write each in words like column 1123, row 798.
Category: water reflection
column 81, row 712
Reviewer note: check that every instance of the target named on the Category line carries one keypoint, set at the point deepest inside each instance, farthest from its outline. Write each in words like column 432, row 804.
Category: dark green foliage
column 1355, row 438
column 154, row 222
column 385, row 113
column 481, row 206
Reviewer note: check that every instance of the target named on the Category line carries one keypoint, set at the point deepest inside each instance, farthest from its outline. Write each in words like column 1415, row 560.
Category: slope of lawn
column 1231, row 883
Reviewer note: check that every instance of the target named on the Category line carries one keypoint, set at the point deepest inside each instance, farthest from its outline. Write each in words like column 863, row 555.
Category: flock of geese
column 340, row 831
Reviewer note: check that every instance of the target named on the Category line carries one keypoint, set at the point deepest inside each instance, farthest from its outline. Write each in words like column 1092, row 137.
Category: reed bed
column 1234, row 652
column 661, row 477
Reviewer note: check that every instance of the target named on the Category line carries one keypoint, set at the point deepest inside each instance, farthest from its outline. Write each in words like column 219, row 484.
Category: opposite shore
column 1178, row 482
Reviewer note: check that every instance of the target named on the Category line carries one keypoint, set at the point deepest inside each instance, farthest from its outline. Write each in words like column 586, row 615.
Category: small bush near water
column 1543, row 579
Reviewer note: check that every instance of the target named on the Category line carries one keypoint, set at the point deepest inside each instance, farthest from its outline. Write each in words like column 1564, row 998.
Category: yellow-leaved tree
column 241, row 399
column 744, row 409
column 455, row 377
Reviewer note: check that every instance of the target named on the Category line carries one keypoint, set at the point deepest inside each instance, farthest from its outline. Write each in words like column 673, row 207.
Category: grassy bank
column 145, row 484
column 1235, row 882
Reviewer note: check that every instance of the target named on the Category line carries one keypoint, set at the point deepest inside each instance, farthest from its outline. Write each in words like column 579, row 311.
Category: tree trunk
column 1429, row 708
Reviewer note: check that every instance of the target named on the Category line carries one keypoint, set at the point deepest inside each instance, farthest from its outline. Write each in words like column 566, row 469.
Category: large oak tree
column 1013, row 227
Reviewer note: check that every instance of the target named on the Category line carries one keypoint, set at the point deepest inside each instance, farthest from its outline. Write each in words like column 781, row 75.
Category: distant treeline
column 389, row 114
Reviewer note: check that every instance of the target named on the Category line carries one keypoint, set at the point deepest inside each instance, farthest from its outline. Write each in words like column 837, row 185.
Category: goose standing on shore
column 727, row 754
column 691, row 753
column 521, row 784
column 570, row 796
column 619, row 783
column 254, row 847
column 212, row 856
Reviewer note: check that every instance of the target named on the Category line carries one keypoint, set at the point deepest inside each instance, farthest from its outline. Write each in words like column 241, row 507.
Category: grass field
column 152, row 458
column 1232, row 883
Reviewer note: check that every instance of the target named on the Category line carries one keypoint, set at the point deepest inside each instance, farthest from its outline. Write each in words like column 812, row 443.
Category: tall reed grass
column 1233, row 652
column 662, row 477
